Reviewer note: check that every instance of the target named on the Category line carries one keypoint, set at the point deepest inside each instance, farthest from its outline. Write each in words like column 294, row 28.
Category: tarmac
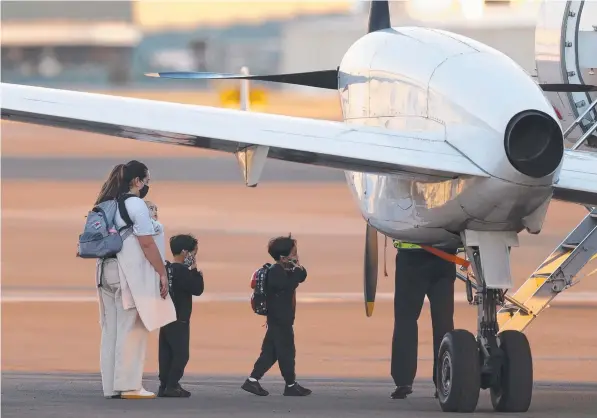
column 48, row 368
column 219, row 168
column 80, row 396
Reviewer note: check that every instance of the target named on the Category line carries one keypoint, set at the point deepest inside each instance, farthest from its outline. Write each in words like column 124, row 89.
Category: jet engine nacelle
column 485, row 104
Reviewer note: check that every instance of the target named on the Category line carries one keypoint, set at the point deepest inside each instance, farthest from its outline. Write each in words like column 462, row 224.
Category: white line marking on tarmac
column 306, row 298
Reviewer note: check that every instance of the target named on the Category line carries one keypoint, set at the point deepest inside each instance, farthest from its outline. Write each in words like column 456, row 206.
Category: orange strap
column 448, row 257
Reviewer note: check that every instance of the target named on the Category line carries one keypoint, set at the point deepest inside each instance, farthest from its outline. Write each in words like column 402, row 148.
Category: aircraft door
column 565, row 44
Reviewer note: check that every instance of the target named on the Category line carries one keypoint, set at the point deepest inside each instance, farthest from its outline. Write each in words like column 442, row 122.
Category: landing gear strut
column 501, row 362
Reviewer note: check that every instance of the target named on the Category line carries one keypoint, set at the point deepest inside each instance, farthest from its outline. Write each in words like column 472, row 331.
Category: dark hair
column 119, row 180
column 181, row 242
column 280, row 246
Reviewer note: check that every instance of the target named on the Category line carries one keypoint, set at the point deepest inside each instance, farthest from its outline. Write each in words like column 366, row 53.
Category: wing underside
column 317, row 142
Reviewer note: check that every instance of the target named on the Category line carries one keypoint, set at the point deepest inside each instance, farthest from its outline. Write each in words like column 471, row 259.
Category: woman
column 132, row 287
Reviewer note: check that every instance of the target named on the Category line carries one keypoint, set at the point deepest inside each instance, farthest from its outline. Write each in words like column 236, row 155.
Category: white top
column 139, row 214
column 159, row 238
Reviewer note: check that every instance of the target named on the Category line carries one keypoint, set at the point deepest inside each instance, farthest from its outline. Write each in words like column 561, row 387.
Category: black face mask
column 143, row 191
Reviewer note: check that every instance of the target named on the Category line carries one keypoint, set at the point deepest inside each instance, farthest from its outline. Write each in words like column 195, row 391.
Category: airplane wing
column 578, row 178
column 310, row 141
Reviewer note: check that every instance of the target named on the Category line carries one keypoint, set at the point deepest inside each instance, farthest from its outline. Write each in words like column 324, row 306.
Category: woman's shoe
column 137, row 394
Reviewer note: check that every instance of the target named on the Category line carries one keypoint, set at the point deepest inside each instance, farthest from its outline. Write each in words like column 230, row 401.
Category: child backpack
column 258, row 284
column 100, row 238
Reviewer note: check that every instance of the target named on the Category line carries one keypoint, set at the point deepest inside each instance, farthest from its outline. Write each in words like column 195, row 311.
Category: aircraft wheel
column 458, row 372
column 516, row 375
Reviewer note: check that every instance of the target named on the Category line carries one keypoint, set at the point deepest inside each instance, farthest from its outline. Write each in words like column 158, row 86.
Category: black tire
column 516, row 378
column 458, row 364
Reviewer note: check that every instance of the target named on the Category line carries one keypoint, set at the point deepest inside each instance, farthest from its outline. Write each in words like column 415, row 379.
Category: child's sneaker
column 254, row 388
column 177, row 392
column 296, row 390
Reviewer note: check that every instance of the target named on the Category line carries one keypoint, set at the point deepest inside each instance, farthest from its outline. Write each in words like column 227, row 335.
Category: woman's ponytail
column 111, row 188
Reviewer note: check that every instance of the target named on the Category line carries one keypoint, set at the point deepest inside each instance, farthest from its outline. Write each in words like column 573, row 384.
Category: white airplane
column 445, row 141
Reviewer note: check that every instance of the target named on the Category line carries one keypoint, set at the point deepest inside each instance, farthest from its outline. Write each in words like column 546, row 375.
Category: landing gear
column 458, row 374
column 501, row 363
column 515, row 388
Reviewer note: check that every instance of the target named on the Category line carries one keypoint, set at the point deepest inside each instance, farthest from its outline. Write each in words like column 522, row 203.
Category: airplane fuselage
column 474, row 97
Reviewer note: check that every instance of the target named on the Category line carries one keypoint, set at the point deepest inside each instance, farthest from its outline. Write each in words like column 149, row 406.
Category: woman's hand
column 163, row 286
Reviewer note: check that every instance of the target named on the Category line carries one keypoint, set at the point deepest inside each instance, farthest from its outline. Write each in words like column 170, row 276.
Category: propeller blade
column 568, row 88
column 194, row 75
column 370, row 277
column 325, row 79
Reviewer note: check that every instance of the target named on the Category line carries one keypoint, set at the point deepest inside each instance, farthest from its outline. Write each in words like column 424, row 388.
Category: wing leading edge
column 310, row 141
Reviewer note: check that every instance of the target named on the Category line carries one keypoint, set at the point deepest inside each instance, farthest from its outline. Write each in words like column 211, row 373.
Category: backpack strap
column 122, row 210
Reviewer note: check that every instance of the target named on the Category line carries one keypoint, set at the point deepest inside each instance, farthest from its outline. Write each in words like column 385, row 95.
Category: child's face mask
column 289, row 260
column 189, row 259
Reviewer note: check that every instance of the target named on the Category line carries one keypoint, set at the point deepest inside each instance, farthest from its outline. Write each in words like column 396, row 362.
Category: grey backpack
column 100, row 237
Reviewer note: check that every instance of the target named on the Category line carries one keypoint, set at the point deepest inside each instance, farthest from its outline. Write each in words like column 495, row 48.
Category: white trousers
column 124, row 338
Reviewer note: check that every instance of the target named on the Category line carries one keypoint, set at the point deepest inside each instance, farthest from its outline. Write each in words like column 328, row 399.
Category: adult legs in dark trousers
column 278, row 345
column 173, row 358
column 419, row 273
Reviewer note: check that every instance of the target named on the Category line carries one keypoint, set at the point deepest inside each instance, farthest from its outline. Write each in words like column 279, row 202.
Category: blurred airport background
column 107, row 44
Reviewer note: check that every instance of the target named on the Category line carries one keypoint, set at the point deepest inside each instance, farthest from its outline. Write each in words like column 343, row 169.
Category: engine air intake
column 534, row 143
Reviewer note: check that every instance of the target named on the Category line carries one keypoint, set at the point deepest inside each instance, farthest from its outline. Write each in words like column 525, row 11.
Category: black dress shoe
column 296, row 390
column 254, row 388
column 401, row 392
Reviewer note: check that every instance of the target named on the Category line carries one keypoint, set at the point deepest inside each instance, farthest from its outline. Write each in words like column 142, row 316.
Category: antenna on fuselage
column 379, row 16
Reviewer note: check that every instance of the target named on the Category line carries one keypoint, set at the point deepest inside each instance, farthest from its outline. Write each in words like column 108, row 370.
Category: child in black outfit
column 184, row 282
column 283, row 277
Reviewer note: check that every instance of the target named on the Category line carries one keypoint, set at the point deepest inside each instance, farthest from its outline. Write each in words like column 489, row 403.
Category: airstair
column 556, row 274
column 562, row 57
column 583, row 119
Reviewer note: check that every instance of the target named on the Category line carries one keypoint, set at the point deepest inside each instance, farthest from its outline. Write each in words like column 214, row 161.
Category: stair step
column 538, row 291
column 510, row 308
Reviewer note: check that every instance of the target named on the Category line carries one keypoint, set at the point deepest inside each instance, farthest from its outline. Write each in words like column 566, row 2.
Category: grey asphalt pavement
column 80, row 396
column 216, row 169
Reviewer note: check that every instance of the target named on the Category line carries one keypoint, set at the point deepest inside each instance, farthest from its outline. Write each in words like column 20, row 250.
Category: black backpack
column 259, row 285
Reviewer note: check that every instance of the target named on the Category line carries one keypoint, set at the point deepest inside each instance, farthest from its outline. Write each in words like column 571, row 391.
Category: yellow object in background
column 231, row 98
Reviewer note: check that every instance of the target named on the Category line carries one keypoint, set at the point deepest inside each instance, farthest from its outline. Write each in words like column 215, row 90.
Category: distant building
column 178, row 15
column 320, row 43
column 68, row 41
